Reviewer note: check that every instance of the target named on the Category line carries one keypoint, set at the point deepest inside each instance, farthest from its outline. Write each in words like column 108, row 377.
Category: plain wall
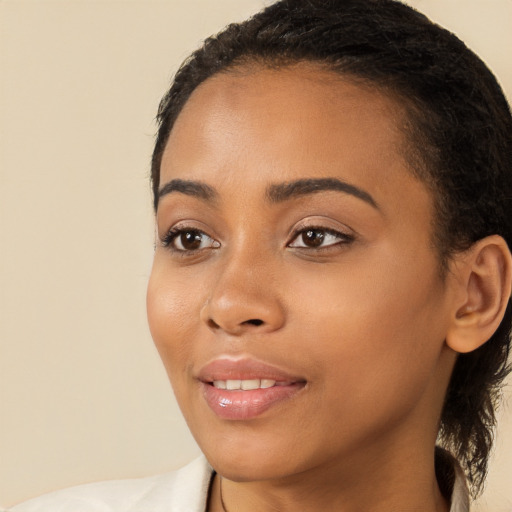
column 83, row 396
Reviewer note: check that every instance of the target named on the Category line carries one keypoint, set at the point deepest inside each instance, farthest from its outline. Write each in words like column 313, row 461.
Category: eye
column 318, row 238
column 185, row 240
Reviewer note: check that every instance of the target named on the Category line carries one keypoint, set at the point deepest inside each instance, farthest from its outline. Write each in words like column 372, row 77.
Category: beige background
column 82, row 394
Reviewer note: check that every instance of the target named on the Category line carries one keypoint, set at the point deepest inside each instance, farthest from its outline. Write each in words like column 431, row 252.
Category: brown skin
column 362, row 319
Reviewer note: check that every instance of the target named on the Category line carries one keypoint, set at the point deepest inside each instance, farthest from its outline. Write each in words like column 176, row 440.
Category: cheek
column 376, row 330
column 172, row 309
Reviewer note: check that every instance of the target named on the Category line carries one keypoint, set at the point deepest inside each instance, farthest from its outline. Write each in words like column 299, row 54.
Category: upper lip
column 229, row 368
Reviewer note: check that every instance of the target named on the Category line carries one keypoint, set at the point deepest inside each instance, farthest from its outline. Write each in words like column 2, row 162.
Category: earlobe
column 483, row 276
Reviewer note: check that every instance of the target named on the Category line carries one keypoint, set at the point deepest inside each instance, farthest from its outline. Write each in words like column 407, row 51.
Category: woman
column 331, row 285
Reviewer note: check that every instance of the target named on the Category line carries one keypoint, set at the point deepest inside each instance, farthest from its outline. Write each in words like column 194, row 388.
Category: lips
column 246, row 388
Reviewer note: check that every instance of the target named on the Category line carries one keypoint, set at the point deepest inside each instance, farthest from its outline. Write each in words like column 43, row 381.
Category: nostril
column 212, row 324
column 254, row 321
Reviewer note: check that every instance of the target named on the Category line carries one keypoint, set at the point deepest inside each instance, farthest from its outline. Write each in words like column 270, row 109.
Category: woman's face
column 294, row 259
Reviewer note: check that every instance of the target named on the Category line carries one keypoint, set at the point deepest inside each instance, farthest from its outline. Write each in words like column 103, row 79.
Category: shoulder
column 184, row 490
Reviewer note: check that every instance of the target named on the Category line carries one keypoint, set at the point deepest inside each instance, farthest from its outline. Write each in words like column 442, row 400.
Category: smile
column 243, row 389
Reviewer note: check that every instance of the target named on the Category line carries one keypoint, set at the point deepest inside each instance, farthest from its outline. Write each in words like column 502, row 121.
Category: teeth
column 233, row 384
column 244, row 385
column 250, row 384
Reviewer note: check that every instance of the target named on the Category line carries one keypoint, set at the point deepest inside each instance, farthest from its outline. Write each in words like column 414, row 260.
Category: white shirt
column 185, row 490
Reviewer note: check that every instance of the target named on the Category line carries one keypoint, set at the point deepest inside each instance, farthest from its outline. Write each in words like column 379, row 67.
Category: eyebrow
column 285, row 191
column 189, row 188
column 276, row 193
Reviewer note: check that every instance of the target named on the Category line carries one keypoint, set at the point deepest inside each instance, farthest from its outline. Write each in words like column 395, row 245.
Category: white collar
column 460, row 493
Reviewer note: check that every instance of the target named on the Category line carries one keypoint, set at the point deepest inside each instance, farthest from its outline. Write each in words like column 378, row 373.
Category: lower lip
column 245, row 405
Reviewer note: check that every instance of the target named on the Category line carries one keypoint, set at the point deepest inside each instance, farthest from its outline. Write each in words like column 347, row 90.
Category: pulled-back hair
column 459, row 133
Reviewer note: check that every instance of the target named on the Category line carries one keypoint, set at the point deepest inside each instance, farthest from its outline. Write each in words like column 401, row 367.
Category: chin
column 245, row 468
column 250, row 456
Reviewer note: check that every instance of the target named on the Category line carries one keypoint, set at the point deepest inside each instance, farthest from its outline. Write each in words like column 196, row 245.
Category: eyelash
column 175, row 232
column 343, row 238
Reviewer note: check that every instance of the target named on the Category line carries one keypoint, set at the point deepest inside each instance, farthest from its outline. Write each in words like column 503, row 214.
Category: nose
column 244, row 298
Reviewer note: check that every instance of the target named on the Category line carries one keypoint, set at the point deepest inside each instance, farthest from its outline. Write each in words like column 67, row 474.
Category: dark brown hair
column 459, row 131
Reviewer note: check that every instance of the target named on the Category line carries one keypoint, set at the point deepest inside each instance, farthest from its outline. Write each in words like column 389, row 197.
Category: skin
column 362, row 319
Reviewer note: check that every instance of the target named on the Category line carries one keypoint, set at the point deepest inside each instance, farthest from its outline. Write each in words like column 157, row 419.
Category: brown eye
column 188, row 240
column 319, row 238
column 312, row 238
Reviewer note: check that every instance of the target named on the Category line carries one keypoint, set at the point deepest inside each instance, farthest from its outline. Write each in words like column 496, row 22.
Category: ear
column 483, row 287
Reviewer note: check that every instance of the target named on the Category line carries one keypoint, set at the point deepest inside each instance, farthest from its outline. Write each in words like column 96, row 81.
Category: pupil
column 191, row 240
column 312, row 238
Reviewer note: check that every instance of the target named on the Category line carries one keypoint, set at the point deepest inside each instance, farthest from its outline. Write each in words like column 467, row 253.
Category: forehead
column 256, row 125
column 282, row 105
